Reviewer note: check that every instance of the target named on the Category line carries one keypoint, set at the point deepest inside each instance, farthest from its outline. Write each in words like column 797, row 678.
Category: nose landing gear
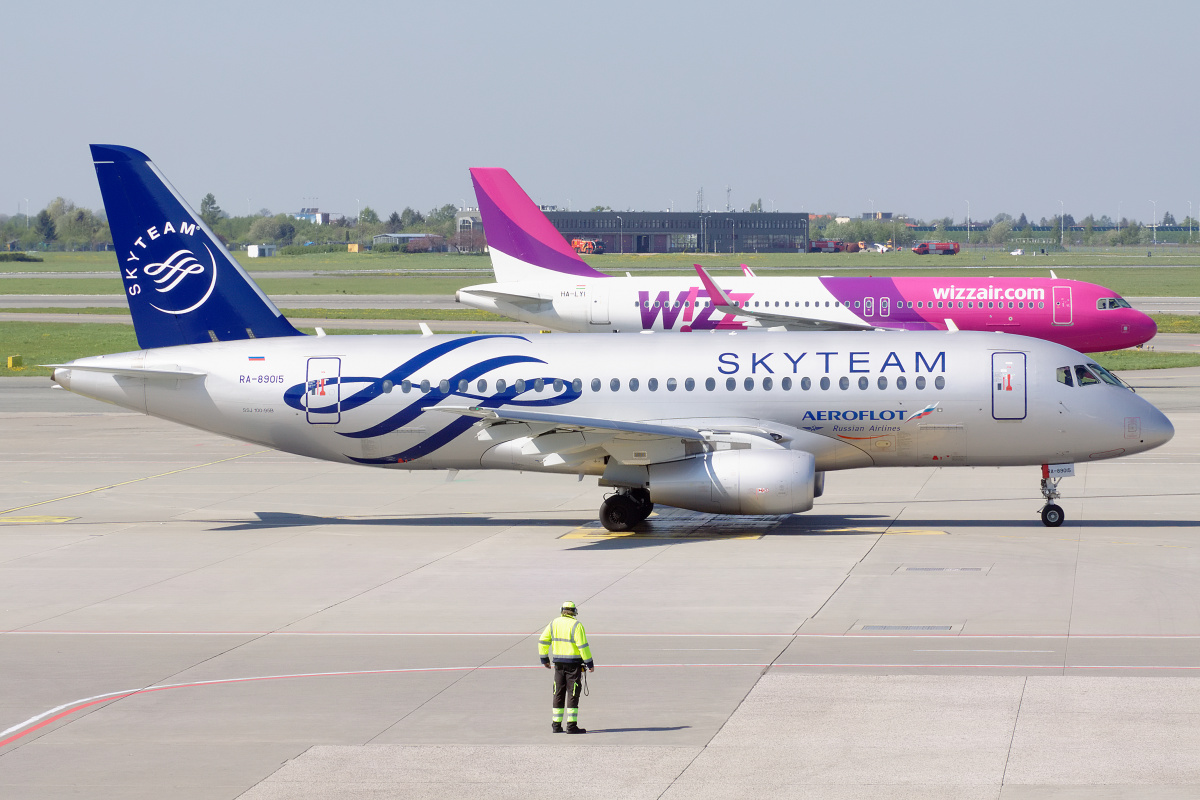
column 623, row 510
column 1052, row 513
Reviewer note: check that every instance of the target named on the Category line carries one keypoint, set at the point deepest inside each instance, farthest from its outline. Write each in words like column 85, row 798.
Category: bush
column 307, row 250
column 17, row 257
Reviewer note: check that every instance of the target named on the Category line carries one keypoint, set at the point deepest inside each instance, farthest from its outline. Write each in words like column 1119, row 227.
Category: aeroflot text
column 987, row 293
column 730, row 363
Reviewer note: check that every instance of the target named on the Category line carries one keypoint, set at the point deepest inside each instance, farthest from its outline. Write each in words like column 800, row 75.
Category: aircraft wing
column 567, row 422
column 724, row 304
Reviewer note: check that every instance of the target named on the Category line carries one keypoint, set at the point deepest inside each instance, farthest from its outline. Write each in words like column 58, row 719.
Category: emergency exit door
column 598, row 305
column 323, row 391
column 1008, row 386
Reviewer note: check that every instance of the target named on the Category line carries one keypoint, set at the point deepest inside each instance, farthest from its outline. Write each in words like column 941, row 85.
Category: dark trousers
column 568, row 683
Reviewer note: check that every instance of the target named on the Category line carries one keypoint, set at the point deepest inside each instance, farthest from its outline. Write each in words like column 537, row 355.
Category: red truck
column 826, row 246
column 936, row 248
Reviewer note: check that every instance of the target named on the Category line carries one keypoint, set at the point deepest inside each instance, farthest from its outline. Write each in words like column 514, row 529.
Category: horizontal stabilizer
column 131, row 372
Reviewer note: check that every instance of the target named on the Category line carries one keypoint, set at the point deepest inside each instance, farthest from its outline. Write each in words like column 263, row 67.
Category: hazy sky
column 819, row 107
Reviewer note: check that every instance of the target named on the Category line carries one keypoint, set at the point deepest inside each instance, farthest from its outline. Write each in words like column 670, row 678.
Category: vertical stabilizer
column 182, row 285
column 523, row 244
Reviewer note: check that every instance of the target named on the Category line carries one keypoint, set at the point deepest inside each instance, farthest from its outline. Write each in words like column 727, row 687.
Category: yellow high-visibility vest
column 565, row 641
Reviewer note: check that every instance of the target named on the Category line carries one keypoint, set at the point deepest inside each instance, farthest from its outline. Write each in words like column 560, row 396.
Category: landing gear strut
column 1052, row 514
column 623, row 510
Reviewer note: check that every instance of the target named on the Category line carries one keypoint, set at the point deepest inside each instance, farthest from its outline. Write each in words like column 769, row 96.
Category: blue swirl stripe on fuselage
column 294, row 395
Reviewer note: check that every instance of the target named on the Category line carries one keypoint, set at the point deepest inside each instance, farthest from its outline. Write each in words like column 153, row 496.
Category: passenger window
column 805, row 383
column 652, row 384
column 615, row 385
column 689, row 384
column 425, row 386
column 481, row 386
column 920, row 381
column 843, row 383
column 710, row 384
column 520, row 386
column 767, row 384
column 939, row 382
column 406, row 386
column 462, row 384
column 539, row 384
column 730, row 384
column 500, row 385
column 671, row 384
column 577, row 386
column 633, row 384
column 748, row 383
column 1064, row 376
column 863, row 382
column 786, row 384
column 825, row 383
column 882, row 382
column 901, row 382
column 1085, row 377
column 595, row 384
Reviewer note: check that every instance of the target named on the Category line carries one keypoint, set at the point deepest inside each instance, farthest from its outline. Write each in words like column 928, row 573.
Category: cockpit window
column 1105, row 375
column 1064, row 376
column 1112, row 302
column 1085, row 378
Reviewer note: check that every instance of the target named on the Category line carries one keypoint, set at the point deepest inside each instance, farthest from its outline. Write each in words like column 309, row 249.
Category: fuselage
column 1082, row 316
column 853, row 399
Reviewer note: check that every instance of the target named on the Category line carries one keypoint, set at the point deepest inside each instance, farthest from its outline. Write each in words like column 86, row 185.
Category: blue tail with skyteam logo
column 182, row 285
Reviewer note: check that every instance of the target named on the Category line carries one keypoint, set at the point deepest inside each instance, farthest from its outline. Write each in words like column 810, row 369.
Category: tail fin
column 182, row 285
column 523, row 243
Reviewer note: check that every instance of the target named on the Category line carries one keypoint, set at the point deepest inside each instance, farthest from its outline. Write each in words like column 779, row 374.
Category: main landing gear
column 1052, row 514
column 623, row 510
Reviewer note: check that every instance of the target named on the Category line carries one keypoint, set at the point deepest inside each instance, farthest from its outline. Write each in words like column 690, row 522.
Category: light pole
column 1189, row 221
column 733, row 240
column 621, row 235
column 26, row 212
column 968, row 202
column 1062, row 224
column 1154, row 219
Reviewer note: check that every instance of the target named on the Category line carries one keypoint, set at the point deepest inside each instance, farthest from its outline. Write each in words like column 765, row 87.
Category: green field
column 59, row 342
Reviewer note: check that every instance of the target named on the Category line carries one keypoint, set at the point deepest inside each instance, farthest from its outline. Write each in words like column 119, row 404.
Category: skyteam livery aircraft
column 728, row 423
column 543, row 281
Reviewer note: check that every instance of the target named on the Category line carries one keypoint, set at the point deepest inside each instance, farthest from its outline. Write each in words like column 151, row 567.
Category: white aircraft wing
column 131, row 372
column 516, row 298
column 724, row 304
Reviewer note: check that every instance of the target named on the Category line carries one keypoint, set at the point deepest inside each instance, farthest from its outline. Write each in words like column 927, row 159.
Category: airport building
column 675, row 232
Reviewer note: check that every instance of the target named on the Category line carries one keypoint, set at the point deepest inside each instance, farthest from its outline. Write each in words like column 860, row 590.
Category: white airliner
column 541, row 280
column 726, row 423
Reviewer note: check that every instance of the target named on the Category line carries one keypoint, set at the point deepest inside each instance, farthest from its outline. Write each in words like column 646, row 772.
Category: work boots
column 556, row 727
column 574, row 728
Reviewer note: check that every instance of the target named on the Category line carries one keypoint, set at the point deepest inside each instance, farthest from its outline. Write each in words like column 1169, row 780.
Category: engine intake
column 737, row 482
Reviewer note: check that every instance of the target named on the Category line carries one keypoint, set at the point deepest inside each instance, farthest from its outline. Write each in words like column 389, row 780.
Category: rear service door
column 1008, row 386
column 323, row 395
column 598, row 307
column 1063, row 315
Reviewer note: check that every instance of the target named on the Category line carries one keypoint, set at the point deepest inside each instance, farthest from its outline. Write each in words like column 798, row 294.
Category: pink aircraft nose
column 1141, row 328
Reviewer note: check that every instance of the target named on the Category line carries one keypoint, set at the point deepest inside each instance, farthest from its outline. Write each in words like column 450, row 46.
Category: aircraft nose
column 1156, row 429
column 1142, row 327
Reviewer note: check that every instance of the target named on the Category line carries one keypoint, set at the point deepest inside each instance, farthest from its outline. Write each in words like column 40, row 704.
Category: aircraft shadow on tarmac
column 277, row 519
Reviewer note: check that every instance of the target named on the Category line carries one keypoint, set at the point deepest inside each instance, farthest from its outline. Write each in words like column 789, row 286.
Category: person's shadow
column 634, row 730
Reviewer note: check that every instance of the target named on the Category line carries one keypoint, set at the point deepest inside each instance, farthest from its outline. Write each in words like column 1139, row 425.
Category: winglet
column 715, row 292
column 524, row 245
column 749, row 273
column 1052, row 275
column 950, row 326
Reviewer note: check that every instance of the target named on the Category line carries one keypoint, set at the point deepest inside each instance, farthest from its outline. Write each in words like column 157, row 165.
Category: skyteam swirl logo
column 182, row 281
column 522, row 392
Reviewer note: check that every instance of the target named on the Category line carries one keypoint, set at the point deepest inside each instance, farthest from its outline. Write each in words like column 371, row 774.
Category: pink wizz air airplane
column 541, row 280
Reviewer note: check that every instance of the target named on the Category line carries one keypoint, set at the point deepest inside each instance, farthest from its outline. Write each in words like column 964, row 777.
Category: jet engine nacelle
column 737, row 482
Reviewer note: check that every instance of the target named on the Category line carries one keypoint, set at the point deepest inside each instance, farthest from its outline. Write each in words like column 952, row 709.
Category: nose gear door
column 1008, row 386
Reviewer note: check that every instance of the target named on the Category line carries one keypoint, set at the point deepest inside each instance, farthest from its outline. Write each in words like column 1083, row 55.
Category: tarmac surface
column 187, row 616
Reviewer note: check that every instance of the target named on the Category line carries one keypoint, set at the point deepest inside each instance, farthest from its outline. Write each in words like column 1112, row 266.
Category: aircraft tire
column 618, row 513
column 1052, row 515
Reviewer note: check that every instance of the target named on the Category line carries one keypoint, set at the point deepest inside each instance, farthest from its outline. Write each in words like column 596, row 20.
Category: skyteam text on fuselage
column 727, row 423
column 541, row 280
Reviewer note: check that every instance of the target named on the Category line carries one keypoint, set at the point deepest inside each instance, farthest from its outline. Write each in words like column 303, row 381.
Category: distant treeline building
column 676, row 232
